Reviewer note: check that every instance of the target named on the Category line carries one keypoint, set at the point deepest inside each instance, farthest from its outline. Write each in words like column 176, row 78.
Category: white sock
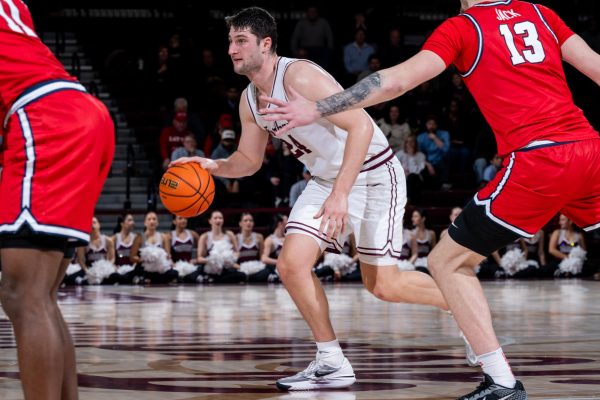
column 496, row 366
column 330, row 353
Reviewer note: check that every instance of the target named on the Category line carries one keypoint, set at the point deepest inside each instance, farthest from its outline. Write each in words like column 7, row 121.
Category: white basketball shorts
column 375, row 214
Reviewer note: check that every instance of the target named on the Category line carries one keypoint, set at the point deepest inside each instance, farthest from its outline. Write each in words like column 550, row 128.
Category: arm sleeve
column 557, row 25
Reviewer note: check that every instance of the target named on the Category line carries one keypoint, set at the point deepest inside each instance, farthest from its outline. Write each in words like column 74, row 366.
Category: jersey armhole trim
column 480, row 45
column 535, row 7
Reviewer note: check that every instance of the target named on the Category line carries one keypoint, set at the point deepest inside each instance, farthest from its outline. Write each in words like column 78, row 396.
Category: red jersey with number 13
column 24, row 59
column 509, row 54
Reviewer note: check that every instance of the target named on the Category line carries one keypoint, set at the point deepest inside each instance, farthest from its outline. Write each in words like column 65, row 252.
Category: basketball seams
column 203, row 200
column 183, row 180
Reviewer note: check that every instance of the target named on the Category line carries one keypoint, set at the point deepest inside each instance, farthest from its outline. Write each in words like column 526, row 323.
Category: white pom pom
column 251, row 267
column 184, row 268
column 98, row 271
column 155, row 259
column 125, row 269
column 221, row 255
column 421, row 262
column 513, row 261
column 405, row 265
column 341, row 263
column 574, row 263
column 73, row 269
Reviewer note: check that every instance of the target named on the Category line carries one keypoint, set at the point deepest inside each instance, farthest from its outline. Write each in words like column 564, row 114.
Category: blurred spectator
column 194, row 123
column 484, row 149
column 392, row 53
column 225, row 121
column 225, row 148
column 231, row 105
column 298, row 187
column 423, row 101
column 460, row 153
column 163, row 81
column 413, row 163
column 535, row 248
column 189, row 149
column 435, row 144
column 491, row 170
column 459, row 92
column 283, row 170
column 396, row 129
column 357, row 53
column 172, row 137
column 227, row 145
column 374, row 66
column 314, row 35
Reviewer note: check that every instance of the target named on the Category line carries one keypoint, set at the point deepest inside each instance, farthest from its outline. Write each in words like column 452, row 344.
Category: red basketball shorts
column 537, row 183
column 58, row 150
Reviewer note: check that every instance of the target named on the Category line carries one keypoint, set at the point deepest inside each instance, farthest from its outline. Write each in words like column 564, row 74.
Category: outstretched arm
column 576, row 52
column 376, row 88
column 314, row 83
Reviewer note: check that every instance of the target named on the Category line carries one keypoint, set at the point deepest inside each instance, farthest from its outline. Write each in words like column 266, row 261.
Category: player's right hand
column 206, row 163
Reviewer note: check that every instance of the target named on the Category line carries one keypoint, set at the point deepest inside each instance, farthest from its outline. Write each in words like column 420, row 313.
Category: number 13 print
column 534, row 52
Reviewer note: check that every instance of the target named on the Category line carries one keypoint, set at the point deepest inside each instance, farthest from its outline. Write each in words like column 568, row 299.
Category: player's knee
column 284, row 269
column 18, row 302
column 10, row 299
column 381, row 289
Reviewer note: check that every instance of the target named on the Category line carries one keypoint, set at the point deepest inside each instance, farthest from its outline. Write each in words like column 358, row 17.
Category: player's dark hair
column 258, row 20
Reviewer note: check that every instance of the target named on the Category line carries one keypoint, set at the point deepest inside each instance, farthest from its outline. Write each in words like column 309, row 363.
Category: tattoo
column 344, row 100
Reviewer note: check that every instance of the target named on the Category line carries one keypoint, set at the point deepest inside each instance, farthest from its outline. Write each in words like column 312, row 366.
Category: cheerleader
column 217, row 251
column 157, row 264
column 562, row 243
column 250, row 247
column 100, row 248
column 423, row 240
column 123, row 240
column 182, row 242
column 274, row 243
column 535, row 248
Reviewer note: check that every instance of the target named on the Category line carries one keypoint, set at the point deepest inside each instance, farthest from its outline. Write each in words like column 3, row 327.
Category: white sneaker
column 470, row 356
column 319, row 376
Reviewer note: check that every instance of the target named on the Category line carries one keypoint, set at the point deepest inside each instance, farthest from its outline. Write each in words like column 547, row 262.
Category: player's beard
column 248, row 66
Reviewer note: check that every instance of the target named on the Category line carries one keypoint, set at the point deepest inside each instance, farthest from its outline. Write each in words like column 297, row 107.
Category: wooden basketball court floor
column 233, row 342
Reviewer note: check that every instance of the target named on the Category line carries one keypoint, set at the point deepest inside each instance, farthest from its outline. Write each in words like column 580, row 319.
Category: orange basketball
column 187, row 189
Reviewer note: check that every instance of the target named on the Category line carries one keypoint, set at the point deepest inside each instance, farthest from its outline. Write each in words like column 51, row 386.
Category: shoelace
column 310, row 370
column 481, row 386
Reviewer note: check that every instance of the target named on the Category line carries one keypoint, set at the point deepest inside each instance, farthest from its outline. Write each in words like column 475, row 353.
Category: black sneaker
column 488, row 390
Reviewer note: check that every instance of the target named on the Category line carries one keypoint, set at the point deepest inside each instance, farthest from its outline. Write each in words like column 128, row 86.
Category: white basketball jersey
column 320, row 145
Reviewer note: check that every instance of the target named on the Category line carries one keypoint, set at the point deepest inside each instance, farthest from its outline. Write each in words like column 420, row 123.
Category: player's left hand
column 299, row 111
column 334, row 213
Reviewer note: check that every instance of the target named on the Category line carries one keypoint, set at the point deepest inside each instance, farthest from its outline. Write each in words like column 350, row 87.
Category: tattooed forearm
column 344, row 100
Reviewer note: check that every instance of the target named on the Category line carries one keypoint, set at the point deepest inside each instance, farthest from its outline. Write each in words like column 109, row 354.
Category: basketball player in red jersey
column 58, row 148
column 510, row 55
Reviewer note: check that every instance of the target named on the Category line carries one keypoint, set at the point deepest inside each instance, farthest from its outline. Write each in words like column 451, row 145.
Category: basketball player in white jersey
column 358, row 187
